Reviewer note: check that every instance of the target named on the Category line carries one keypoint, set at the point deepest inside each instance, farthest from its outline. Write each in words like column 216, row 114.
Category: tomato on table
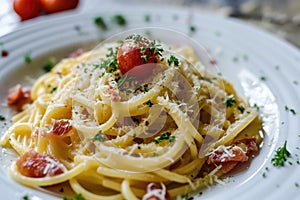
column 27, row 9
column 52, row 6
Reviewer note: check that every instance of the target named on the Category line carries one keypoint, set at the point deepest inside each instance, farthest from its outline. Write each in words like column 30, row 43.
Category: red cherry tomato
column 135, row 52
column 37, row 165
column 52, row 6
column 27, row 9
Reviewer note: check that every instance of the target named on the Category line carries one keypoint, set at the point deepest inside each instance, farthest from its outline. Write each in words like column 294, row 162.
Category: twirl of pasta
column 132, row 120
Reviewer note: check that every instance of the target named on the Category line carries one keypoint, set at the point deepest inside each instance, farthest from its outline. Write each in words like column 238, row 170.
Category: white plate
column 243, row 53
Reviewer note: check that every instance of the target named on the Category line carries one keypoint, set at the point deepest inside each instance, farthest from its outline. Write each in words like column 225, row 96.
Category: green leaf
column 99, row 137
column 173, row 60
column 48, row 65
column 99, row 21
column 230, row 101
column 164, row 136
column 27, row 57
column 281, row 156
column 119, row 19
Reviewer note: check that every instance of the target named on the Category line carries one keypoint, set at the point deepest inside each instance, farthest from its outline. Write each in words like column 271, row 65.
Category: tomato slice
column 36, row 165
column 136, row 50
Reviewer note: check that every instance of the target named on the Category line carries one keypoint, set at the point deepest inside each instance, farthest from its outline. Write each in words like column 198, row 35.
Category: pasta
column 117, row 130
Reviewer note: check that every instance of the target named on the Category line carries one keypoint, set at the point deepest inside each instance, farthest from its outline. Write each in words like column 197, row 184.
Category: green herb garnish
column 125, row 79
column 27, row 57
column 110, row 63
column 263, row 78
column 48, row 65
column 77, row 197
column 99, row 21
column 241, row 109
column 2, row 118
column 281, row 156
column 53, row 90
column 164, row 136
column 173, row 60
column 149, row 103
column 119, row 19
column 256, row 106
column 230, row 101
column 192, row 28
column 185, row 196
column 25, row 197
column 290, row 109
column 99, row 137
column 147, row 18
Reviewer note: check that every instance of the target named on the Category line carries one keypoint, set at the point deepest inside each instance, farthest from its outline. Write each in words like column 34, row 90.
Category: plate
column 263, row 68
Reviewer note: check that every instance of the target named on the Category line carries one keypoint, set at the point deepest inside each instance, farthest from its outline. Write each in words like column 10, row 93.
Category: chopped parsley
column 164, row 136
column 147, row 18
column 125, row 79
column 230, row 101
column 119, row 19
column 27, row 58
column 25, row 197
column 281, row 156
column 149, row 103
column 99, row 21
column 2, row 118
column 143, row 56
column 241, row 109
column 48, row 65
column 99, row 137
column 263, row 78
column 185, row 196
column 256, row 106
column 53, row 90
column 173, row 60
column 235, row 59
column 77, row 197
column 290, row 109
column 192, row 28
column 110, row 63
column 156, row 48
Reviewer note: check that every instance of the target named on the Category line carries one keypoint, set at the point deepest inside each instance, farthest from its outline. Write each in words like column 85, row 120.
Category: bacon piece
column 18, row 97
column 251, row 144
column 76, row 53
column 230, row 156
column 236, row 154
column 60, row 127
column 36, row 165
column 156, row 192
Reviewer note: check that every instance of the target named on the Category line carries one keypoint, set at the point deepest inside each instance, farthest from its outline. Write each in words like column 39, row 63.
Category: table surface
column 281, row 18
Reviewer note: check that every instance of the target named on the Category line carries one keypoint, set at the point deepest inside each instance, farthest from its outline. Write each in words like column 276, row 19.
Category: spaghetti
column 131, row 120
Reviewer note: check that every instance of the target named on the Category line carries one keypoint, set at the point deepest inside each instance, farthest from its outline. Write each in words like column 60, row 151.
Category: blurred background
column 281, row 17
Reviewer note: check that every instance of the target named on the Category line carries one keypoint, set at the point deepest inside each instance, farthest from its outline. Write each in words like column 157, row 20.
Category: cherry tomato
column 37, row 165
column 52, row 6
column 134, row 52
column 27, row 9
